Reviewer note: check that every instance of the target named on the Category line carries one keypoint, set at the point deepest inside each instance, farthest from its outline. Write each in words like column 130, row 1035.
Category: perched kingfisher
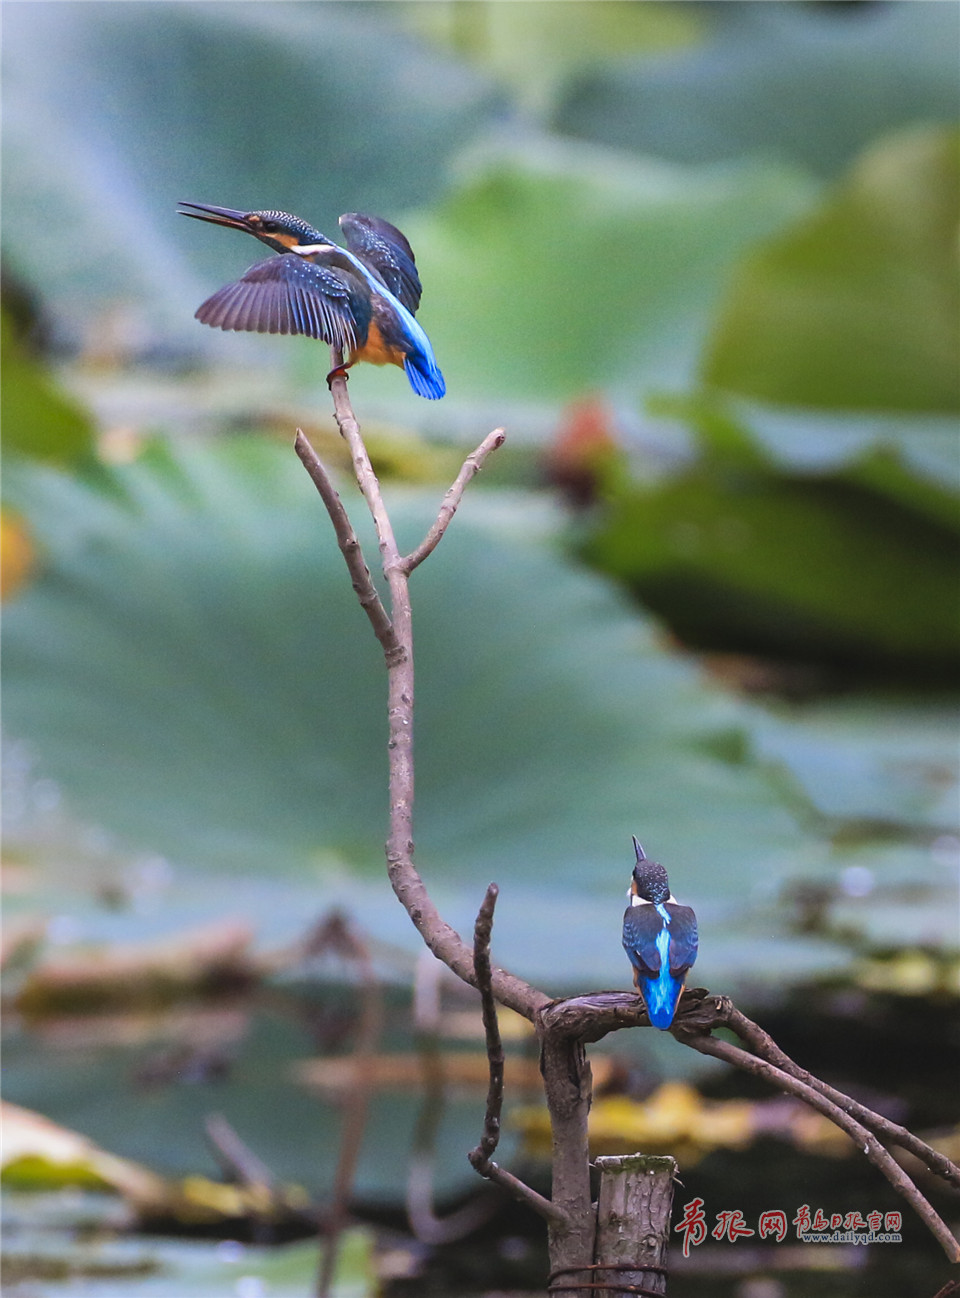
column 361, row 298
column 660, row 937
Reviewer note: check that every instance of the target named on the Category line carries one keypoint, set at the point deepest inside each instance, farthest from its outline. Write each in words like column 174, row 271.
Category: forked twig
column 443, row 940
column 363, row 585
column 451, row 501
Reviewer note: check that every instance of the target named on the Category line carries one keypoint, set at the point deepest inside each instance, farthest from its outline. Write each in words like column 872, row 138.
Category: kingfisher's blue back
column 660, row 939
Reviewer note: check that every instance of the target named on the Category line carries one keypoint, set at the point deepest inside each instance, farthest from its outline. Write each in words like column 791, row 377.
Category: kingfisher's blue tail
column 425, row 378
column 660, row 995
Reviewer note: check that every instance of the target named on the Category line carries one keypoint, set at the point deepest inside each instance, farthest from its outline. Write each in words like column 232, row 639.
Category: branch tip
column 451, row 501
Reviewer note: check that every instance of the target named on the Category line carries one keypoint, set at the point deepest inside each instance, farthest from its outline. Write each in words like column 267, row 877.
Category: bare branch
column 480, row 1157
column 764, row 1046
column 858, row 1133
column 363, row 585
column 445, row 943
column 451, row 501
column 426, row 1225
column 591, row 1017
column 483, row 928
column 367, row 480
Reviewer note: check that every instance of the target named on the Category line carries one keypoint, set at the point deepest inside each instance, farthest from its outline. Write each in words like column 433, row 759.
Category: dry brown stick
column 480, row 1157
column 367, row 480
column 363, row 585
column 405, row 879
column 482, row 932
column 763, row 1045
column 451, row 501
column 463, row 1221
column 864, row 1139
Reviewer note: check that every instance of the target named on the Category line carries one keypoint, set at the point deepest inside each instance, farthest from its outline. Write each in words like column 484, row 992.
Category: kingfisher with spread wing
column 360, row 299
column 660, row 937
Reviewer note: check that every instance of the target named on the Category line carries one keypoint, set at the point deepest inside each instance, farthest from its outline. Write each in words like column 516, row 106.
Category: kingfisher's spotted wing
column 683, row 937
column 641, row 928
column 382, row 247
column 289, row 295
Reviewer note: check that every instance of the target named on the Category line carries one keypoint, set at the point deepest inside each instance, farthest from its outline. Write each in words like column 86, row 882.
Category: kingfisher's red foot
column 338, row 372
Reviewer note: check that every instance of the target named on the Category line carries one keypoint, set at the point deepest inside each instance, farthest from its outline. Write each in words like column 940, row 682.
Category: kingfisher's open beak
column 217, row 215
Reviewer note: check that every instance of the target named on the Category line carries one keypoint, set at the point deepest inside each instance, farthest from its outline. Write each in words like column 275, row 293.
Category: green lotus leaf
column 815, row 84
column 858, row 306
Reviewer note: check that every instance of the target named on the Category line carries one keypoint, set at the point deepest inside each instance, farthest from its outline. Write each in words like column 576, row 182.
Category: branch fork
column 563, row 1026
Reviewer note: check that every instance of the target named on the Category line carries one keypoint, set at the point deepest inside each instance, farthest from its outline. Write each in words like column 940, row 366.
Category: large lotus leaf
column 533, row 46
column 561, row 267
column 804, row 567
column 858, row 307
column 114, row 112
column 812, row 83
column 190, row 666
column 869, row 763
column 911, row 459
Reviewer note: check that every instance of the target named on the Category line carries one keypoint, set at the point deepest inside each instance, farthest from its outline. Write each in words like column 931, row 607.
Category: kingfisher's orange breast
column 377, row 351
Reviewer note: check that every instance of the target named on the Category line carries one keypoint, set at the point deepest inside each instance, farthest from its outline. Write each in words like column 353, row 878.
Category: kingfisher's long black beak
column 638, row 848
column 228, row 216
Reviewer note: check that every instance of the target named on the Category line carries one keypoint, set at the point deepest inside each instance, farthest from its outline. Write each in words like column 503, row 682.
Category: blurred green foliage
column 812, row 83
column 850, row 564
column 161, row 658
column 559, row 257
column 859, row 306
column 38, row 418
column 574, row 268
column 736, row 223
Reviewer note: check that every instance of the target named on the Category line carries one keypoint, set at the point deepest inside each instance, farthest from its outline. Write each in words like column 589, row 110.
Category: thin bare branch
column 443, row 941
column 426, row 1224
column 524, row 1194
column 480, row 1157
column 864, row 1139
column 764, row 1046
column 363, row 585
column 367, row 480
column 483, row 928
column 591, row 1017
column 451, row 501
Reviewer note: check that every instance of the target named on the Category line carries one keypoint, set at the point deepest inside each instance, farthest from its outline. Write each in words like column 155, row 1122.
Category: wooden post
column 633, row 1221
